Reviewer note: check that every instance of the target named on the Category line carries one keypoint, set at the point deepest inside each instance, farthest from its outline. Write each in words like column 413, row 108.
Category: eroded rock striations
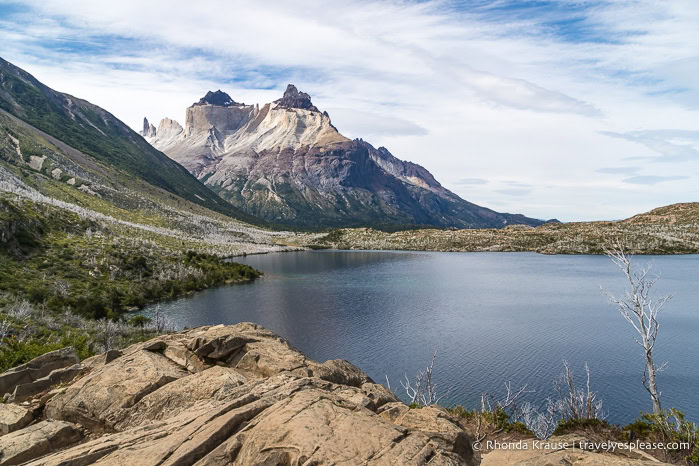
column 285, row 162
column 228, row 395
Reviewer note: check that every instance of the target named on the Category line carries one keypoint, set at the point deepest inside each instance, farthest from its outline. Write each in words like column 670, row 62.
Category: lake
column 491, row 317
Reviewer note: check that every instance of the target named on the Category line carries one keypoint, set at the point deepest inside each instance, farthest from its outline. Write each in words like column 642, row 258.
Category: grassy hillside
column 675, row 214
column 55, row 258
column 78, row 234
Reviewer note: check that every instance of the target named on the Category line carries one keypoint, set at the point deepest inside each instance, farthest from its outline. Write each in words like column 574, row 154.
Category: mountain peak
column 218, row 98
column 292, row 98
column 148, row 129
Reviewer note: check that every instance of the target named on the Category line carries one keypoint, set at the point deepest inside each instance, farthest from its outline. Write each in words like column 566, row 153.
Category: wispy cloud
column 618, row 170
column 653, row 179
column 518, row 184
column 545, row 91
column 514, row 191
column 472, row 181
column 670, row 145
column 370, row 124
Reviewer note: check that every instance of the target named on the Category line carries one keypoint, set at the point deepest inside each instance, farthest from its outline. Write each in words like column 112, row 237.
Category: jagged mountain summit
column 285, row 162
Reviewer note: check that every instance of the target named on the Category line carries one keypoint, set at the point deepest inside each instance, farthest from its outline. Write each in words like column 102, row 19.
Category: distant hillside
column 285, row 162
column 675, row 214
column 101, row 136
column 672, row 229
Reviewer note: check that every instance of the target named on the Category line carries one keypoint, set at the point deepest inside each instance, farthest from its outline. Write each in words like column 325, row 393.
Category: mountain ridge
column 287, row 163
column 101, row 136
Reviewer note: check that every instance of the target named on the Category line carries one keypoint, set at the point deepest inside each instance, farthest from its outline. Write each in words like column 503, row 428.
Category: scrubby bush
column 28, row 331
column 140, row 321
column 668, row 427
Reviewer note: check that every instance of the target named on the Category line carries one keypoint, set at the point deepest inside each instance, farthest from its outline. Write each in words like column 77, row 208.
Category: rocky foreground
column 225, row 395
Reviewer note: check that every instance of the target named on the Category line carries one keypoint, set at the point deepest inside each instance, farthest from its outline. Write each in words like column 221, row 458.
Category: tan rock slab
column 101, row 398
column 37, row 368
column 36, row 440
column 13, row 417
column 242, row 395
column 181, row 394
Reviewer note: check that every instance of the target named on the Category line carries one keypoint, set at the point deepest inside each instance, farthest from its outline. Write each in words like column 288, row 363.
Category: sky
column 567, row 109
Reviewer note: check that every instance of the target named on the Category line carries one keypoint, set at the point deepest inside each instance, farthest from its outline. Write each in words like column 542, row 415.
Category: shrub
column 140, row 321
column 37, row 294
column 668, row 426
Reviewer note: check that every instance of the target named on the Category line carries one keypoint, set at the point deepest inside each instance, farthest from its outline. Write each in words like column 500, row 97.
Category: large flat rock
column 37, row 440
column 36, row 369
column 238, row 395
column 13, row 417
column 297, row 420
column 101, row 398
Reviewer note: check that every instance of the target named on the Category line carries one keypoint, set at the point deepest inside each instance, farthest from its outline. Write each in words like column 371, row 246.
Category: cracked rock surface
column 234, row 395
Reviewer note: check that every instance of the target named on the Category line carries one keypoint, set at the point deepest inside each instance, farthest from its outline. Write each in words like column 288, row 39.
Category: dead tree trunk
column 641, row 308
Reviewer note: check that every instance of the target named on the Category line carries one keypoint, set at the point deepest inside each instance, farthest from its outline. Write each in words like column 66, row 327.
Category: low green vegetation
column 668, row 427
column 54, row 258
column 66, row 280
column 28, row 331
column 569, row 426
column 494, row 421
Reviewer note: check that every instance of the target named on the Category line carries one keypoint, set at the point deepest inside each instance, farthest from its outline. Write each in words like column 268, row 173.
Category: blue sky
column 570, row 109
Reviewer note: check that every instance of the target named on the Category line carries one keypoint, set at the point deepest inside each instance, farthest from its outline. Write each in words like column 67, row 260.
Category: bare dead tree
column 4, row 330
column 542, row 424
column 575, row 403
column 61, row 287
column 20, row 309
column 509, row 404
column 423, row 390
column 109, row 333
column 160, row 322
column 495, row 411
column 640, row 307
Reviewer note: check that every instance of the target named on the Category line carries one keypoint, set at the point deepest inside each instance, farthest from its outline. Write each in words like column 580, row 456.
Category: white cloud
column 618, row 170
column 654, row 179
column 669, row 145
column 469, row 95
column 367, row 124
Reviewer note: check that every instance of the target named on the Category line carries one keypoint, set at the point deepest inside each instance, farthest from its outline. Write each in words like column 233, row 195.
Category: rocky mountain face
column 286, row 163
column 148, row 129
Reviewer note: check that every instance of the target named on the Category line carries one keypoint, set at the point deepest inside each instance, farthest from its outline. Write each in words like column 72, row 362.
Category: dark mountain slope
column 97, row 133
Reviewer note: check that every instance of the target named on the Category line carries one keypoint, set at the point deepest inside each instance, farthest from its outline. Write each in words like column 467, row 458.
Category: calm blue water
column 492, row 317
